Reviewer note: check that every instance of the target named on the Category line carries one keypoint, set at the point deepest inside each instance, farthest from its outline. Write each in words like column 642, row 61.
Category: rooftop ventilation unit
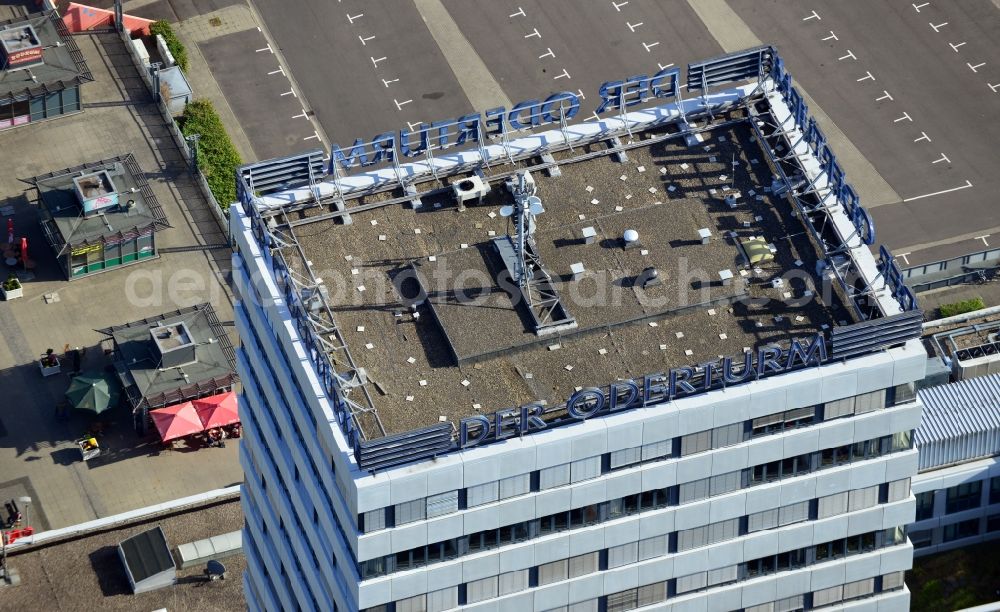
column 95, row 191
column 174, row 343
column 470, row 188
column 21, row 47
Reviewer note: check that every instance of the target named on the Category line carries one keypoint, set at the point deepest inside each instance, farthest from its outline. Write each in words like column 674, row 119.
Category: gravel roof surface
column 666, row 191
column 86, row 574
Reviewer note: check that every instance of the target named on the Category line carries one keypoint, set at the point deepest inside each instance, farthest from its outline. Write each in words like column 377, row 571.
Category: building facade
column 957, row 489
column 784, row 493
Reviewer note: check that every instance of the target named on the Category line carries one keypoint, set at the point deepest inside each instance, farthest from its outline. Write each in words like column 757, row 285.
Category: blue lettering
column 635, row 90
column 383, row 147
column 729, row 375
column 708, row 367
column 439, row 130
column 610, row 93
column 631, row 395
column 504, row 423
column 531, row 418
column 534, row 116
column 406, row 148
column 356, row 156
column 585, row 403
column 653, row 388
column 553, row 109
column 494, row 120
column 478, row 424
column 767, row 360
column 468, row 128
column 679, row 381
column 664, row 83
column 814, row 354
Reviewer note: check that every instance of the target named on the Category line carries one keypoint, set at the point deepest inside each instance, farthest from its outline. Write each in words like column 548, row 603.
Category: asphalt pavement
column 914, row 86
column 906, row 86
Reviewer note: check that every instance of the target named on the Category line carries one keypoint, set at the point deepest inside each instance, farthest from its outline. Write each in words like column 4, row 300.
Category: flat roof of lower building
column 471, row 347
column 62, row 62
column 138, row 207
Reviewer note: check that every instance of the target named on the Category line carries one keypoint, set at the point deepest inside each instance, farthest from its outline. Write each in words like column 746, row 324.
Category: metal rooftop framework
column 805, row 170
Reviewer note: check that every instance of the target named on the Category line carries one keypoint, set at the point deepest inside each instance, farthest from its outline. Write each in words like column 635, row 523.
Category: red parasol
column 176, row 421
column 218, row 410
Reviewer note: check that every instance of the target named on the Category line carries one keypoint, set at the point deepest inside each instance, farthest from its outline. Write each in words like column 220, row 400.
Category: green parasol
column 94, row 392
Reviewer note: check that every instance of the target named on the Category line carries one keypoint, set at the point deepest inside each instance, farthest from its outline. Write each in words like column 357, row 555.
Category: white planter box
column 49, row 370
column 12, row 294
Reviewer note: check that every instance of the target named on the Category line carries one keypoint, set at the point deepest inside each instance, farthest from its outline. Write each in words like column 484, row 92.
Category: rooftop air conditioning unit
column 470, row 188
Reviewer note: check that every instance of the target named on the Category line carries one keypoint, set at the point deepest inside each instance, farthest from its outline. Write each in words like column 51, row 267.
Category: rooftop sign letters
column 558, row 107
column 652, row 389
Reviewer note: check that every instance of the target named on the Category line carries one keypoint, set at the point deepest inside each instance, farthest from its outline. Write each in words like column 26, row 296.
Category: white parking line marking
column 867, row 77
column 976, row 67
column 927, row 195
column 943, row 158
column 549, row 54
column 413, row 125
column 814, row 15
column 920, row 6
column 315, row 135
column 955, row 46
column 923, row 136
column 277, row 71
column 832, row 36
column 302, row 116
column 583, row 97
column 519, row 13
column 905, row 117
column 364, row 40
column 649, row 46
column 664, row 67
column 387, row 82
column 903, row 255
column 290, row 92
column 993, row 87
column 850, row 54
column 983, row 238
column 633, row 26
column 886, row 95
column 595, row 116
column 618, row 5
column 376, row 61
column 267, row 48
column 535, row 33
column 564, row 75
column 938, row 26
column 400, row 105
column 358, row 16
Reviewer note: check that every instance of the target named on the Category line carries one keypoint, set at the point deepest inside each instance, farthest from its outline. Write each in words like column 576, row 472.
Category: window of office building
column 515, row 485
column 374, row 520
column 893, row 581
column 623, row 554
column 781, row 421
column 412, row 604
column 481, row 590
column 442, row 503
column 859, row 588
column 995, row 490
column 480, row 494
column 581, row 565
column 513, row 582
column 993, row 523
column 925, row 505
column 921, row 537
column 651, row 548
column 408, row 512
column 707, row 534
column 859, row 499
column 788, row 604
column 829, row 596
column 961, row 529
column 775, row 517
column 899, row 490
column 554, row 571
column 625, row 457
column 443, row 599
column 585, row 469
column 555, row 476
column 832, row 505
column 963, row 497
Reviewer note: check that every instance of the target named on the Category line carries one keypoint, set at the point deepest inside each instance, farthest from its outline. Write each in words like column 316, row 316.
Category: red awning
column 217, row 410
column 176, row 421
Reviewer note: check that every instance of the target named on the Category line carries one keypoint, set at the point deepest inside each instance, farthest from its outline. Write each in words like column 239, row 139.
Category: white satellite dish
column 535, row 205
column 506, row 211
column 631, row 235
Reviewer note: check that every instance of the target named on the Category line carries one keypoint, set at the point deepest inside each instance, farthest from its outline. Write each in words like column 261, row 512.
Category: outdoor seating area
column 210, row 420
